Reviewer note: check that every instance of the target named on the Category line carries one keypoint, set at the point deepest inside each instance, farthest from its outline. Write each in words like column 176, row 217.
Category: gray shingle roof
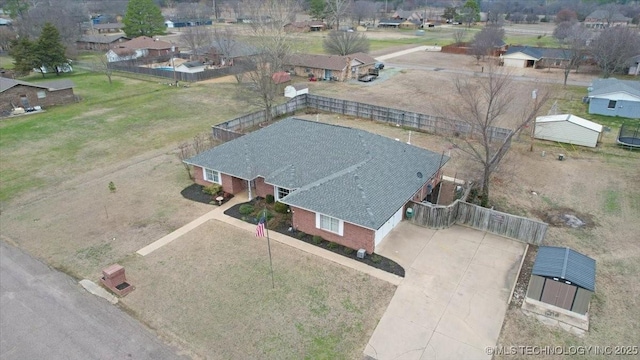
column 566, row 264
column 6, row 84
column 349, row 174
column 603, row 15
column 606, row 86
column 329, row 62
column 102, row 39
column 540, row 53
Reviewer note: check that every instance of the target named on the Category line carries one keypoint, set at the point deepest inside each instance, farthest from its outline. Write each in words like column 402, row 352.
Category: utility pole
column 534, row 96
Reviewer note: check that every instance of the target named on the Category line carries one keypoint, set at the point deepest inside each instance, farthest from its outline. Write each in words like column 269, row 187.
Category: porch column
column 249, row 189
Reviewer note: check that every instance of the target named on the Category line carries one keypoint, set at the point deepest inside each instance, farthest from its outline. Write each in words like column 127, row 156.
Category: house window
column 612, row 104
column 212, row 176
column 42, row 94
column 330, row 224
column 281, row 193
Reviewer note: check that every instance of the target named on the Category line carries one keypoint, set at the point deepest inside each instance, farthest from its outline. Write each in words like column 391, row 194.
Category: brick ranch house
column 17, row 93
column 346, row 185
column 340, row 68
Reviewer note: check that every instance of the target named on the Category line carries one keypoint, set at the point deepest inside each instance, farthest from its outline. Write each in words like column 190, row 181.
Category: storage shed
column 567, row 128
column 294, row 90
column 564, row 278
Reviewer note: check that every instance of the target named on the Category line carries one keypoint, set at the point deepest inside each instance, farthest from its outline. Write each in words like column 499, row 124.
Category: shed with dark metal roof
column 564, row 278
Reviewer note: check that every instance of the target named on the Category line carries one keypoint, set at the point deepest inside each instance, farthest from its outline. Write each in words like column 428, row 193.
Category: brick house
column 100, row 42
column 142, row 46
column 340, row 68
column 346, row 185
column 17, row 93
column 305, row 26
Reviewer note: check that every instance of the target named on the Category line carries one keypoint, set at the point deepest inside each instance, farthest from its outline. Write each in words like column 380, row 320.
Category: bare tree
column 184, row 153
column 193, row 11
column 488, row 39
column 6, row 36
column 613, row 48
column 345, row 43
column 364, row 9
column 336, row 10
column 459, row 35
column 573, row 38
column 273, row 44
column 195, row 37
column 481, row 102
column 66, row 15
column 101, row 65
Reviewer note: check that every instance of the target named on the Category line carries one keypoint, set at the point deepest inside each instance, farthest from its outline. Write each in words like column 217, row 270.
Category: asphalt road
column 45, row 314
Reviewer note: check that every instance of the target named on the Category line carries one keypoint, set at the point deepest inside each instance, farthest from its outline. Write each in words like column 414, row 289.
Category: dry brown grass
column 211, row 289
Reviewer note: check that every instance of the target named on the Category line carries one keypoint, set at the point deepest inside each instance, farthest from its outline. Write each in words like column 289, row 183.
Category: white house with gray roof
column 613, row 97
column 347, row 185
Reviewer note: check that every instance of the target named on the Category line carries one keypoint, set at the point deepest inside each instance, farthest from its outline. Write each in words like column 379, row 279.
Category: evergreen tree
column 49, row 50
column 23, row 54
column 143, row 18
column 317, row 9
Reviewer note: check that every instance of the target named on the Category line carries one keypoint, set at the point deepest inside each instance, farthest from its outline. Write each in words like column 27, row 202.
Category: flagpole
column 266, row 228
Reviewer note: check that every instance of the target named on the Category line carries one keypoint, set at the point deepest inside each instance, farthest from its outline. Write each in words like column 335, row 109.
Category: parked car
column 64, row 68
column 378, row 66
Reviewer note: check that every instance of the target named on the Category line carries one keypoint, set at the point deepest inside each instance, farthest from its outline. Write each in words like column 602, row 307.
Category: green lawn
column 111, row 123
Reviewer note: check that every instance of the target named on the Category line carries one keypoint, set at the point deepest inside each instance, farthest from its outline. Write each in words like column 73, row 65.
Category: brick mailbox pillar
column 113, row 278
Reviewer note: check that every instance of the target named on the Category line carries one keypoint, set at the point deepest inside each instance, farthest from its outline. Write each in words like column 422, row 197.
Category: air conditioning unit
column 361, row 253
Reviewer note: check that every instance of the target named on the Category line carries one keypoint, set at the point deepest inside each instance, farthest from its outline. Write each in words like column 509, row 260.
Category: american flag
column 260, row 227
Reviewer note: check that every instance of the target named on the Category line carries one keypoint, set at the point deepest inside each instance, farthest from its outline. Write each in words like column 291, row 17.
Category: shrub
column 212, row 189
column 317, row 239
column 269, row 199
column 332, row 245
column 280, row 207
column 300, row 234
column 246, row 209
column 348, row 250
column 376, row 258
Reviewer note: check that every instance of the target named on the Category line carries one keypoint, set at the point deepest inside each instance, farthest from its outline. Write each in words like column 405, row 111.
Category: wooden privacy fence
column 495, row 222
column 429, row 123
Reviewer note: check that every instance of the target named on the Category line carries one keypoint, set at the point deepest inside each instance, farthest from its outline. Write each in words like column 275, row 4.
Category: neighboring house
column 149, row 46
column 613, row 97
column 294, row 90
column 390, row 23
column 603, row 18
column 407, row 15
column 108, row 28
column 567, row 128
column 191, row 67
column 100, row 42
column 180, row 23
column 224, row 52
column 17, row 93
column 562, row 278
column 634, row 65
column 346, row 185
column 535, row 57
column 331, row 67
column 5, row 22
column 410, row 24
column 305, row 26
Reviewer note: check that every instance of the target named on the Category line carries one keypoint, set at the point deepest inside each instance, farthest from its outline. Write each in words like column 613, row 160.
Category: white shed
column 294, row 90
column 567, row 128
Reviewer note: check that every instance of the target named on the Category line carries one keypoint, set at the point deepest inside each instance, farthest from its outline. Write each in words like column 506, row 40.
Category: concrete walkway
column 452, row 301
column 402, row 52
column 218, row 214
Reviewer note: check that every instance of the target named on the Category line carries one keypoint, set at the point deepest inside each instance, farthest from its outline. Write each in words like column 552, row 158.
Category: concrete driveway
column 453, row 299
